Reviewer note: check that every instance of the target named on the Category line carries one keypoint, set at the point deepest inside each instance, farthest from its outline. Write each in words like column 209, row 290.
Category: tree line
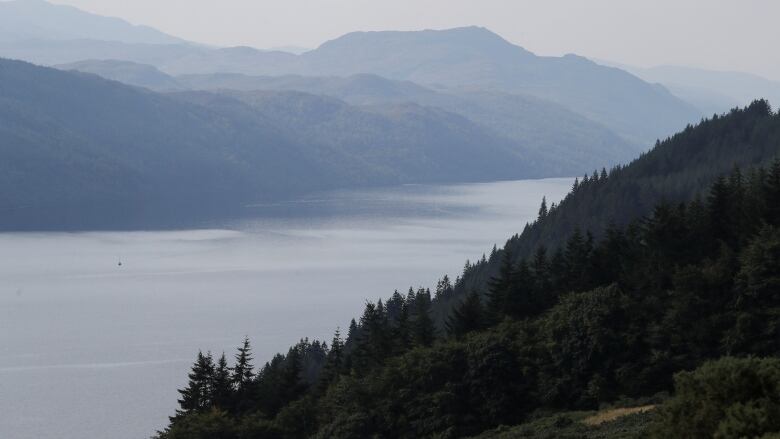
column 603, row 316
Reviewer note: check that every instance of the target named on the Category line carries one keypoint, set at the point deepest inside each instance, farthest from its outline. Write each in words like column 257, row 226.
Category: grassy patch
column 617, row 423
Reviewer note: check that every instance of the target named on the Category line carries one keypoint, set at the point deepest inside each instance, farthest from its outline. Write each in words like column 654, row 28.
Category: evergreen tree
column 542, row 286
column 444, row 287
column 293, row 366
column 403, row 331
column 424, row 328
column 199, row 393
column 543, row 209
column 222, row 384
column 520, row 301
column 718, row 205
column 772, row 194
column 243, row 370
column 352, row 331
column 336, row 352
column 577, row 254
column 468, row 317
column 500, row 287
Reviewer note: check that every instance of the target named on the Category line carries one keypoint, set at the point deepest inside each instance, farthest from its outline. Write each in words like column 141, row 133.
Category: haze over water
column 92, row 349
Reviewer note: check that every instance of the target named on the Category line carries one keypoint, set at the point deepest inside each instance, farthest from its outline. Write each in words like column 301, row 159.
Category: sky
column 739, row 35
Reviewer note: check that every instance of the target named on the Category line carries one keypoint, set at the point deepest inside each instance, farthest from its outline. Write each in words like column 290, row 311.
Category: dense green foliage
column 595, row 321
column 679, row 169
column 570, row 425
column 726, row 399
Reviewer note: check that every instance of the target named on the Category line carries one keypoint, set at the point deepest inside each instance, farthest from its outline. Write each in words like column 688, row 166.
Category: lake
column 92, row 349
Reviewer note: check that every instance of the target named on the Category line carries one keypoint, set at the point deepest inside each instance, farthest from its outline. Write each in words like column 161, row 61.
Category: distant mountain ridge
column 39, row 20
column 565, row 142
column 141, row 75
column 77, row 150
column 470, row 58
column 569, row 142
column 724, row 89
column 461, row 58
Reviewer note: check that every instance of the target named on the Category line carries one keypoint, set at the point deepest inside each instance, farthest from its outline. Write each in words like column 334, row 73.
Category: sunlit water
column 91, row 349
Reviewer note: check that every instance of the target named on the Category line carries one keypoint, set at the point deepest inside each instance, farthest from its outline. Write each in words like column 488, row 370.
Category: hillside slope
column 140, row 75
column 569, row 142
column 466, row 58
column 81, row 151
column 475, row 57
column 678, row 169
column 682, row 299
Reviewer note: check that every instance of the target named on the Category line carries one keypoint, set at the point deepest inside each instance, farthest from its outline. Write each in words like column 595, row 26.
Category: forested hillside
column 611, row 317
column 678, row 169
column 565, row 140
column 81, row 151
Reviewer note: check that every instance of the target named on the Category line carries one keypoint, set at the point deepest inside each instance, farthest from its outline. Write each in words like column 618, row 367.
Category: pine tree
column 540, row 267
column 577, row 254
column 772, row 195
column 444, row 287
column 520, row 301
column 243, row 370
column 223, row 387
column 336, row 352
column 333, row 362
column 543, row 209
column 403, row 333
column 293, row 366
column 499, row 288
column 352, row 331
column 198, row 395
column 394, row 305
column 424, row 329
column 468, row 317
column 719, row 209
column 372, row 344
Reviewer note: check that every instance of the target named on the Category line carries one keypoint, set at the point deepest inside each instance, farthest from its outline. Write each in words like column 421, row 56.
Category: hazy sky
column 720, row 34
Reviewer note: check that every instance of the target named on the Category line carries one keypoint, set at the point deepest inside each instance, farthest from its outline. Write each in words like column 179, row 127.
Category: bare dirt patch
column 612, row 414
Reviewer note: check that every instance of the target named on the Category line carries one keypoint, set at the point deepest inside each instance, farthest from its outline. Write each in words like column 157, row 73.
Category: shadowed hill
column 81, row 151
column 678, row 169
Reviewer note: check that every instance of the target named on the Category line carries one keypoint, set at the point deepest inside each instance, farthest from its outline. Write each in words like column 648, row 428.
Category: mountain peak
column 466, row 39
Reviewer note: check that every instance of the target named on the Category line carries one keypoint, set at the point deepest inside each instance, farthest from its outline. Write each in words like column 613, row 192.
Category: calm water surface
column 91, row 349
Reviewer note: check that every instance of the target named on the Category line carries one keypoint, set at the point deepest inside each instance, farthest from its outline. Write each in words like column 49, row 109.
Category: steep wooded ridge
column 614, row 318
column 678, row 169
column 82, row 151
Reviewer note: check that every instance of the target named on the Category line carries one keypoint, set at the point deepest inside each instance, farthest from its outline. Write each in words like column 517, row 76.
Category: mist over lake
column 94, row 349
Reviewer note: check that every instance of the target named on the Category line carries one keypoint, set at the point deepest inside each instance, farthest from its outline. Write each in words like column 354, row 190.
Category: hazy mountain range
column 569, row 142
column 235, row 125
column 39, row 20
column 99, row 152
column 712, row 91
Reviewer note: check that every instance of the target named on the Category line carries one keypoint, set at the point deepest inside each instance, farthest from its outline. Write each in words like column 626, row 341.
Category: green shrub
column 725, row 399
